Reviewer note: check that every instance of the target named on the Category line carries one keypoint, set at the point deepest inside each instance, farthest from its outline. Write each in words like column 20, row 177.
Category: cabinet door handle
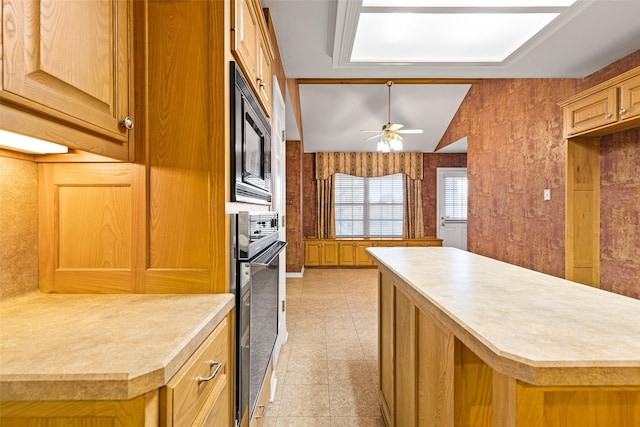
column 212, row 363
column 623, row 110
column 263, row 412
column 127, row 123
column 608, row 116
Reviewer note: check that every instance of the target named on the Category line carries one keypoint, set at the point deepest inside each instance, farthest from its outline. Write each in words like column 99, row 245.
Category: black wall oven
column 254, row 281
column 250, row 144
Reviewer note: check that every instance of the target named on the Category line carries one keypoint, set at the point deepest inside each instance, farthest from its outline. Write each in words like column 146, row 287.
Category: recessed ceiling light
column 443, row 37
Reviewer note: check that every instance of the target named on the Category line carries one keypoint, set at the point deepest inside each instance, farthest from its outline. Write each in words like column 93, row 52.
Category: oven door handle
column 260, row 264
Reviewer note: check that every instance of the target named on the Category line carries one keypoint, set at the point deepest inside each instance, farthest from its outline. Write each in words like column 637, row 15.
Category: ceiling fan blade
column 395, row 126
column 372, row 137
column 416, row 131
column 364, row 130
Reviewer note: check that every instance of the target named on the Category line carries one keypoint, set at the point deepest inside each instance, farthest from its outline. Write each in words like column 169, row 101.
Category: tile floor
column 327, row 370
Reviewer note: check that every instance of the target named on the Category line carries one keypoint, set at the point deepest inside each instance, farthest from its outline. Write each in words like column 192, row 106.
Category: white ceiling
column 589, row 36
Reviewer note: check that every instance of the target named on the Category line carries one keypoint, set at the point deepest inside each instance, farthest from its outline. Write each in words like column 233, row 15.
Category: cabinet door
column 245, row 40
column 311, row 254
column 329, row 254
column 263, row 76
column 87, row 227
column 591, row 112
column 630, row 98
column 405, row 360
column 69, row 60
column 361, row 257
column 346, row 254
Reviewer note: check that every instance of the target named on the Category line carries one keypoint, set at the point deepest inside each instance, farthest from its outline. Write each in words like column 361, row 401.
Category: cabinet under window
column 369, row 207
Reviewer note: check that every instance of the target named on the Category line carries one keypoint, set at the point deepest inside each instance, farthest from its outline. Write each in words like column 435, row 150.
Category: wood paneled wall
column 516, row 150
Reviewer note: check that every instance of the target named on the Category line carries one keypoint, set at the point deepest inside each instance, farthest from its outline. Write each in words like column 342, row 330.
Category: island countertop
column 527, row 325
column 100, row 347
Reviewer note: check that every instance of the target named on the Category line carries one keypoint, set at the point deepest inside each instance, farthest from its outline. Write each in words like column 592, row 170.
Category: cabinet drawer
column 185, row 394
column 216, row 410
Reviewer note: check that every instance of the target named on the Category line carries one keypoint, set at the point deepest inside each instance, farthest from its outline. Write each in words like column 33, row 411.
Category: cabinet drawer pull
column 608, row 116
column 212, row 363
column 623, row 111
column 264, row 410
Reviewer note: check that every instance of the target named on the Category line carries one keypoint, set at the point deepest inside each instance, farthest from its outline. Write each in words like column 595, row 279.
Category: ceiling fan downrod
column 389, row 84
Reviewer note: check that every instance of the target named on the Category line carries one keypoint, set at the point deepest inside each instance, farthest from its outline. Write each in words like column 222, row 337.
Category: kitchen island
column 466, row 340
column 124, row 359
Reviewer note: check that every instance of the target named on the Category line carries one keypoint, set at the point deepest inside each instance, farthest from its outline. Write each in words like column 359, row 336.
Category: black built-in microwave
column 250, row 144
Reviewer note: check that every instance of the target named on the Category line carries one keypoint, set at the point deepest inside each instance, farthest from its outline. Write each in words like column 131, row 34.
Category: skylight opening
column 449, row 31
column 467, row 3
column 487, row 37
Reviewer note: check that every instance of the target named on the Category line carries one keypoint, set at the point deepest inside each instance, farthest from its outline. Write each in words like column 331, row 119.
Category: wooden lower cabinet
column 352, row 253
column 199, row 394
column 141, row 411
column 200, row 390
column 429, row 377
column 320, row 253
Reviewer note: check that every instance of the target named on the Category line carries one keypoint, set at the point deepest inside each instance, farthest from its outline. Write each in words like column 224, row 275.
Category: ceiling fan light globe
column 395, row 144
column 383, row 146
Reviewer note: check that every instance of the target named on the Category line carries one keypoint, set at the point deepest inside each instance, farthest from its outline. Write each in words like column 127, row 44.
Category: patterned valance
column 369, row 164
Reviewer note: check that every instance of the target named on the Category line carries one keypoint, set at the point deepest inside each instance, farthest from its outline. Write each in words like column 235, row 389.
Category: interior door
column 452, row 209
column 278, row 154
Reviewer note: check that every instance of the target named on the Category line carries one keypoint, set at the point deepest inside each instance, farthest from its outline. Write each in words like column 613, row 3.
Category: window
column 369, row 207
column 455, row 188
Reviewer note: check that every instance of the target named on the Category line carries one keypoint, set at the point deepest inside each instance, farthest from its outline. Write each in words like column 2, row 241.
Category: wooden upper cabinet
column 591, row 112
column 66, row 63
column 630, row 98
column 252, row 49
column 606, row 108
column 263, row 74
column 245, row 42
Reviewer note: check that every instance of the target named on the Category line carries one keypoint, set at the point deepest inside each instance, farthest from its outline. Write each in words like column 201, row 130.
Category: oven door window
column 264, row 324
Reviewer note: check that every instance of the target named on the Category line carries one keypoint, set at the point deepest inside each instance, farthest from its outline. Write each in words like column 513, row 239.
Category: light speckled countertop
column 531, row 326
column 98, row 347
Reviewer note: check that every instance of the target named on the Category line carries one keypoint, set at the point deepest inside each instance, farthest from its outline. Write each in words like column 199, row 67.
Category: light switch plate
column 547, row 194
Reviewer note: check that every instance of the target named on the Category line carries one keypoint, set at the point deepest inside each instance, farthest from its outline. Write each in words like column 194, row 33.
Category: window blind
column 368, row 207
column 455, row 188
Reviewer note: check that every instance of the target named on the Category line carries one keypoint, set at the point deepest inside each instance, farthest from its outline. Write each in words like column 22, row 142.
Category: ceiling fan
column 389, row 137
